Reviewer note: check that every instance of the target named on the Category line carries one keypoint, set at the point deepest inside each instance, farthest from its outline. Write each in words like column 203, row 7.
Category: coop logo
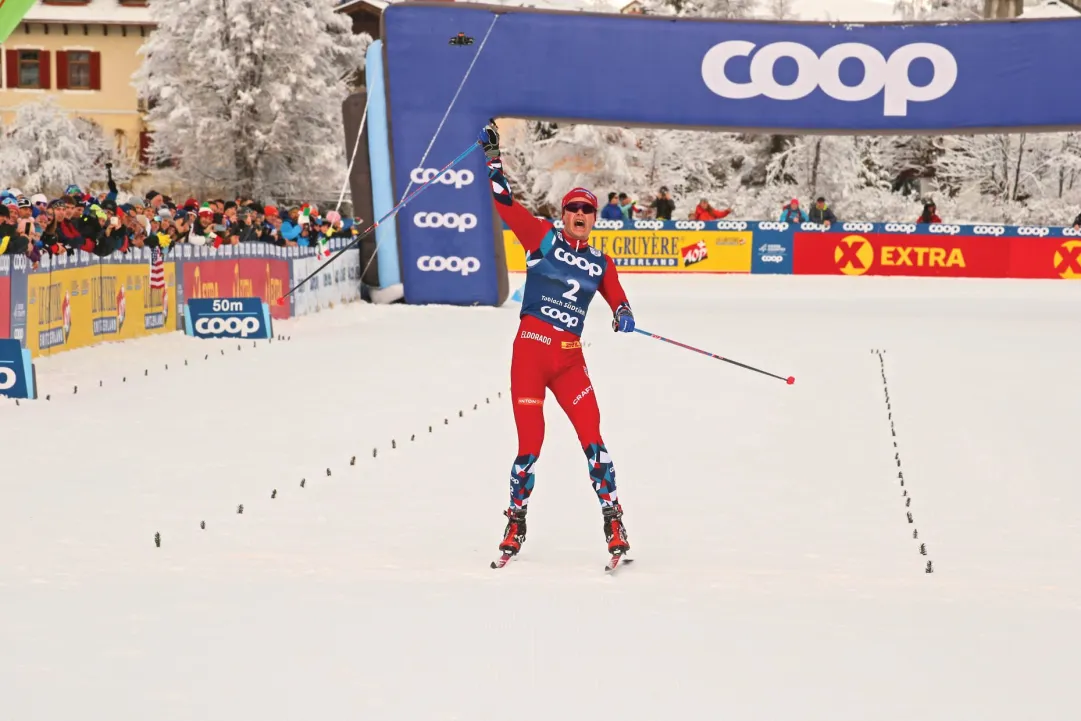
column 600, row 224
column 228, row 318
column 458, row 178
column 218, row 326
column 578, row 261
column 453, row 221
column 452, row 264
column 1068, row 259
column 773, row 225
column 858, row 227
column 854, row 255
column 1039, row 232
column 7, row 379
column 648, row 224
column 900, row 227
column 880, row 75
column 568, row 320
column 943, row 229
column 731, row 225
column 690, row 225
column 995, row 230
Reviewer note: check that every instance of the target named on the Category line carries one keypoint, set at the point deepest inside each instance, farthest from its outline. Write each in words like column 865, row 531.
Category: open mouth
column 579, row 223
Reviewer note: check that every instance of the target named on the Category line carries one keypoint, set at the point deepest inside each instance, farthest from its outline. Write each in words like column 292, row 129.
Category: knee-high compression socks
column 602, row 473
column 521, row 481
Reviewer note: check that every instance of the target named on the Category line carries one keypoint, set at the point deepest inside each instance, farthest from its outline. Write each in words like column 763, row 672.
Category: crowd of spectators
column 38, row 226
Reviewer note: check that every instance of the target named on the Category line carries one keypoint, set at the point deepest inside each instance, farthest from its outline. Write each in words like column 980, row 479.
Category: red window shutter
column 95, row 71
column 12, row 62
column 61, row 70
column 45, row 74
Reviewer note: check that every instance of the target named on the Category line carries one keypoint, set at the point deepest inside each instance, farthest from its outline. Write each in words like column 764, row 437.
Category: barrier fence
column 912, row 249
column 70, row 302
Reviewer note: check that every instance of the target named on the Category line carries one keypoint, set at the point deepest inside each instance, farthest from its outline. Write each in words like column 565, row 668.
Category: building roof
column 96, row 12
column 345, row 6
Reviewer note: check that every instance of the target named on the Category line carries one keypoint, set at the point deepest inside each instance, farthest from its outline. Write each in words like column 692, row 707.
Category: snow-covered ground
column 776, row 575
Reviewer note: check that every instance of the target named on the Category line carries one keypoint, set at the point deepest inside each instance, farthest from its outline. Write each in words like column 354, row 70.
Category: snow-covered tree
column 44, row 149
column 246, row 95
column 701, row 8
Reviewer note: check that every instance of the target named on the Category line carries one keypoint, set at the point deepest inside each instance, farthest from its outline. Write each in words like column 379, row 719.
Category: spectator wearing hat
column 792, row 213
column 929, row 215
column 821, row 213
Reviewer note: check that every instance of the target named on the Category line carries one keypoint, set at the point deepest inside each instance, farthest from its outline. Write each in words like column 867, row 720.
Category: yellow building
column 83, row 54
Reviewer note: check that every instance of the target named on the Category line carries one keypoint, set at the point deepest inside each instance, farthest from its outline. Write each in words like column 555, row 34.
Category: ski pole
column 789, row 380
column 420, row 189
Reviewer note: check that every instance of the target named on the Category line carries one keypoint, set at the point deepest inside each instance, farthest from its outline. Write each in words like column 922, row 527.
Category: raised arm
column 529, row 231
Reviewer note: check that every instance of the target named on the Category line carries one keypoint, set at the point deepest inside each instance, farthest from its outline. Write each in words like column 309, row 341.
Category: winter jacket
column 933, row 219
column 822, row 215
column 664, row 208
column 290, row 231
column 709, row 213
column 611, row 211
column 792, row 215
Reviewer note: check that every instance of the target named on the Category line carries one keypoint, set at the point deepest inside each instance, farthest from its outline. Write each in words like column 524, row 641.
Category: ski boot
column 615, row 533
column 514, row 534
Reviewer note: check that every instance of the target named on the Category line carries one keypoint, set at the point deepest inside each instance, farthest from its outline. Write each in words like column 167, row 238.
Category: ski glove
column 489, row 140
column 623, row 320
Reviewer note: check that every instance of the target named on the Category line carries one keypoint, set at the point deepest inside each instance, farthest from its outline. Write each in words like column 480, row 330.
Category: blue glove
column 623, row 321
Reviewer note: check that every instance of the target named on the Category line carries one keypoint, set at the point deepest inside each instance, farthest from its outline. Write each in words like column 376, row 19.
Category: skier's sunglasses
column 580, row 208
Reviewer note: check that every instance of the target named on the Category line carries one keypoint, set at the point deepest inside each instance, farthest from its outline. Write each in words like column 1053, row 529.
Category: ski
column 615, row 562
column 502, row 560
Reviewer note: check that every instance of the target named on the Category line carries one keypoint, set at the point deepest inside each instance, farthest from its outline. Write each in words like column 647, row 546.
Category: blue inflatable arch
column 894, row 78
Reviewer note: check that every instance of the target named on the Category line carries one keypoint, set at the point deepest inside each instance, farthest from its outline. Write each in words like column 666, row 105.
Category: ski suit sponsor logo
column 578, row 261
column 578, row 398
column 457, row 178
column 880, row 75
column 529, row 335
column 531, row 401
column 568, row 320
column 571, row 344
column 453, row 264
column 218, row 324
column 454, row 221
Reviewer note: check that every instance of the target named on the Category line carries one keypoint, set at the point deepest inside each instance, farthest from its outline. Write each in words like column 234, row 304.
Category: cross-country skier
column 563, row 273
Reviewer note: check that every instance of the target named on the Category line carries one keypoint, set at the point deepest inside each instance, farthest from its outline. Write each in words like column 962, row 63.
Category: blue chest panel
column 561, row 282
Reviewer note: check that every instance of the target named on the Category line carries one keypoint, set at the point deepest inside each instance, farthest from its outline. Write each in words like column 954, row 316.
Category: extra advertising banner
column 239, row 277
column 1045, row 258
column 646, row 246
column 82, row 302
column 913, row 255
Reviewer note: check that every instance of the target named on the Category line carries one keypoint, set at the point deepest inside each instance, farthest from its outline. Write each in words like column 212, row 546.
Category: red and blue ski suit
column 562, row 277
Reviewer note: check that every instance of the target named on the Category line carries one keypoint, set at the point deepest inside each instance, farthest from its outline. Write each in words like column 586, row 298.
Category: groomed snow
column 776, row 575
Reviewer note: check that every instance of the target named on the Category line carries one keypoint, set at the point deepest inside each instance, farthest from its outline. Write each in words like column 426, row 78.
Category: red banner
column 1045, row 258
column 5, row 306
column 889, row 254
column 264, row 278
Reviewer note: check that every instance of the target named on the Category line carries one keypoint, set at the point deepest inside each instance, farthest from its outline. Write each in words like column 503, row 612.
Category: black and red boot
column 615, row 533
column 514, row 534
